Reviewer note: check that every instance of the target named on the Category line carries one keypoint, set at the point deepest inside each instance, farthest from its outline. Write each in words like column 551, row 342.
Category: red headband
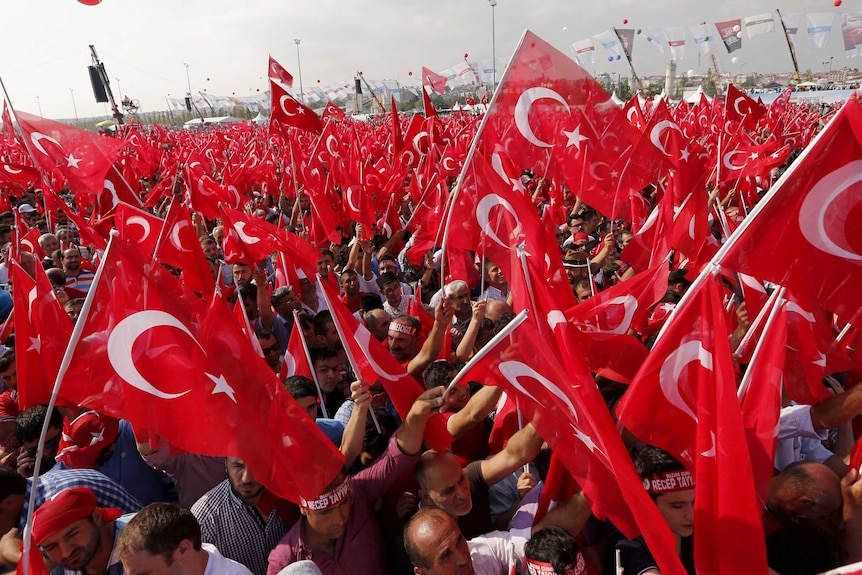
column 327, row 500
column 659, row 483
column 541, row 568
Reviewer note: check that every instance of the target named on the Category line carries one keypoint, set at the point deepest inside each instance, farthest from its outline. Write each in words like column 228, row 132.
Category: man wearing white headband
column 338, row 530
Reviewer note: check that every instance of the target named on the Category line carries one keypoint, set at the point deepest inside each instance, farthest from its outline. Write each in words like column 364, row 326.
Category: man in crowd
column 76, row 276
column 338, row 530
column 77, row 535
column 242, row 518
column 166, row 538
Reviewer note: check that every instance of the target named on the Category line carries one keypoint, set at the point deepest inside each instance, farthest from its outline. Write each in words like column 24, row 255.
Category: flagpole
column 755, row 324
column 325, row 293
column 715, row 264
column 486, row 349
column 308, row 358
column 55, row 392
column 745, row 385
column 469, row 159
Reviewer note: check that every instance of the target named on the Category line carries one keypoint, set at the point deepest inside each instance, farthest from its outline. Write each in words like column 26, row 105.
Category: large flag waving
column 684, row 400
column 80, row 156
column 819, row 201
column 140, row 324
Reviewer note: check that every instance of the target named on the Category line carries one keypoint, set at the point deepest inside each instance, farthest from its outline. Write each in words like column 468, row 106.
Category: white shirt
column 797, row 440
column 218, row 564
column 496, row 553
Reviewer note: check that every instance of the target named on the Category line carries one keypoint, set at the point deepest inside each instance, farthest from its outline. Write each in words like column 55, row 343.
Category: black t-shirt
column 635, row 557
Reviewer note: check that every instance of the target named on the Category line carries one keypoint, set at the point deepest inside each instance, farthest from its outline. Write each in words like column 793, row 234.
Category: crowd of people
column 113, row 499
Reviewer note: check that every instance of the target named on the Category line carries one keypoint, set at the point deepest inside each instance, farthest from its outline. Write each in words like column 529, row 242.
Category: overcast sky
column 44, row 44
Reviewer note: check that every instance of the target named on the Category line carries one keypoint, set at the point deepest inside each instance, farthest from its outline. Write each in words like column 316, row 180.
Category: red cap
column 580, row 237
column 85, row 437
column 68, row 507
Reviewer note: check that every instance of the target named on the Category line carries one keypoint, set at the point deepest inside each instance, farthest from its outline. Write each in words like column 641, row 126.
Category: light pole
column 119, row 88
column 71, row 91
column 299, row 68
column 38, row 103
column 493, row 3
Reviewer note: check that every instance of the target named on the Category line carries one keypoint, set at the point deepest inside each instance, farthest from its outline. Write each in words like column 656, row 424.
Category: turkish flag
column 276, row 72
column 204, row 194
column 42, row 331
column 557, row 394
column 254, row 238
column 179, row 246
column 288, row 111
column 80, row 156
column 8, row 127
column 436, row 81
column 634, row 114
column 333, row 111
column 138, row 227
column 373, row 362
column 624, row 306
column 142, row 325
column 117, row 189
column 684, row 400
column 430, row 112
column 19, row 176
column 741, row 109
column 89, row 235
column 296, row 361
column 549, row 115
column 819, row 202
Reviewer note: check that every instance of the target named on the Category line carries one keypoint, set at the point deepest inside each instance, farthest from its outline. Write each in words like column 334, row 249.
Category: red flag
column 288, row 111
column 138, row 227
column 397, row 138
column 684, row 400
column 296, row 357
column 818, row 202
column 81, row 157
column 760, row 394
column 42, row 331
column 8, row 127
column 374, row 362
column 257, row 239
column 333, row 111
column 217, row 379
column 179, row 246
column 739, row 108
column 568, row 412
column 19, row 176
column 435, row 80
column 430, row 112
column 624, row 306
column 276, row 72
column 550, row 116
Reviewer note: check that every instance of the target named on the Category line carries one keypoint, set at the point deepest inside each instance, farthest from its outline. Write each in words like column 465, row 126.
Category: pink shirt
column 360, row 549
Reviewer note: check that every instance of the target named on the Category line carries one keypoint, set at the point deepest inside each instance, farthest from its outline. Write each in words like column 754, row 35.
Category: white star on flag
column 575, row 138
column 72, row 161
column 221, row 386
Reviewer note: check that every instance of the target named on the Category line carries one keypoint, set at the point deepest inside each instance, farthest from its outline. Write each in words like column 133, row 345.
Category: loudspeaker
column 188, row 104
column 98, row 86
column 358, row 86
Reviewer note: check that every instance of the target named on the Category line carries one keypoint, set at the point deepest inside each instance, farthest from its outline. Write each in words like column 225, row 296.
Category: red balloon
column 360, row 73
column 837, row 2
column 626, row 21
column 90, row 2
column 318, row 81
column 409, row 73
column 465, row 55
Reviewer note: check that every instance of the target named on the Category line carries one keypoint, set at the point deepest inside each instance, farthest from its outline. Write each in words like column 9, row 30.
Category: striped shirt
column 108, row 493
column 238, row 530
